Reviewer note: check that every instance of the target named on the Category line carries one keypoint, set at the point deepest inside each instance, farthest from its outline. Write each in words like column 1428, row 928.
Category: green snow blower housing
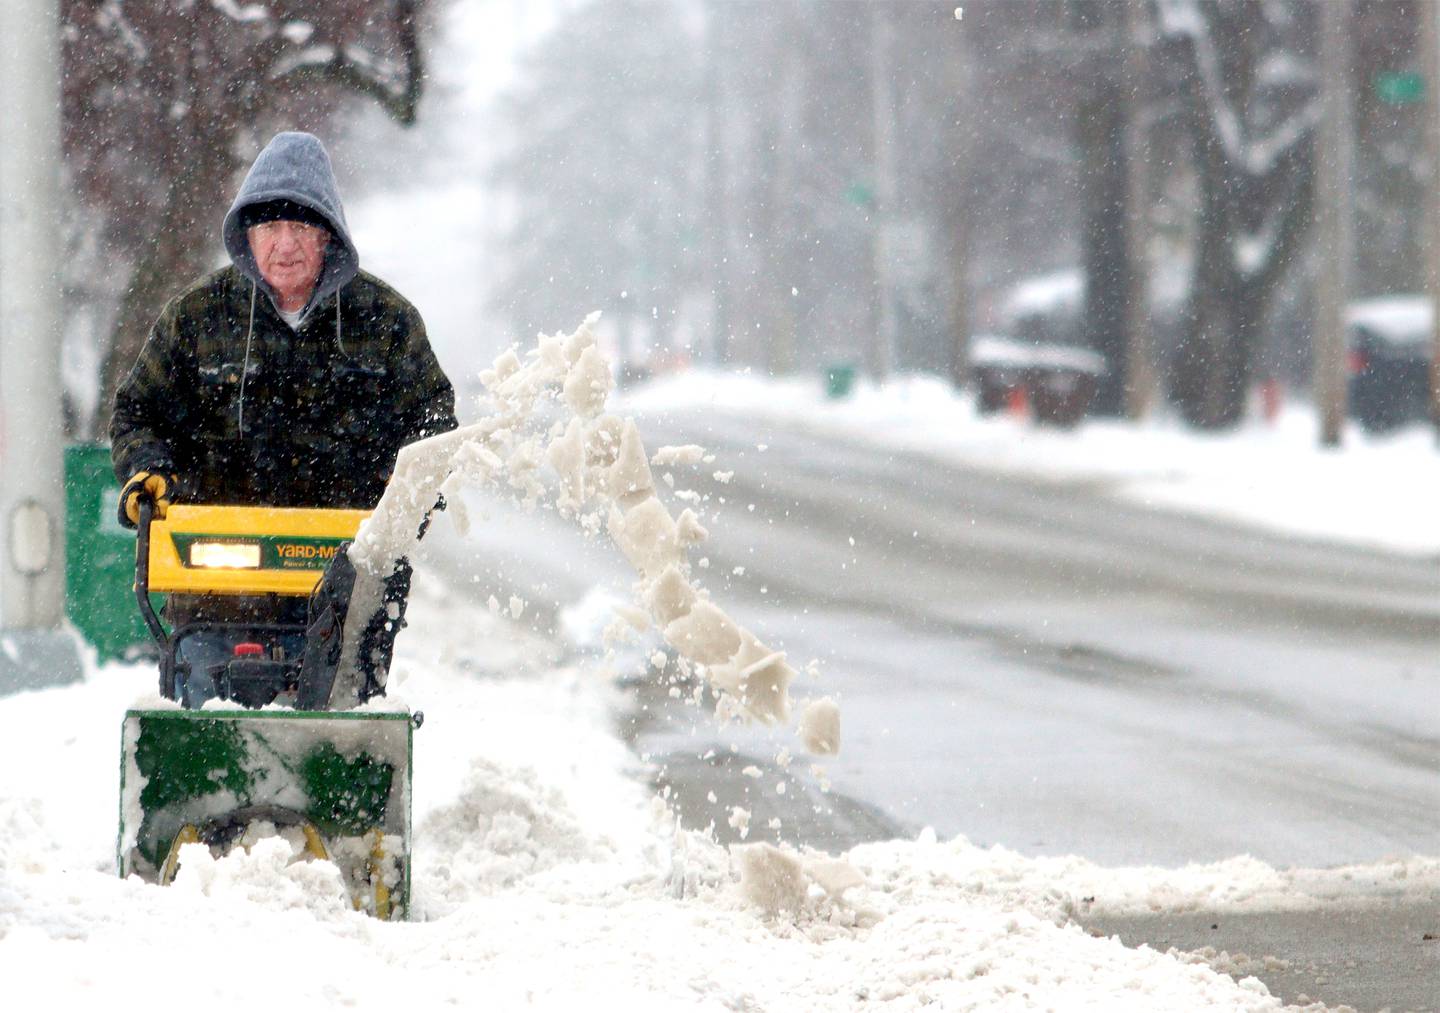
column 243, row 746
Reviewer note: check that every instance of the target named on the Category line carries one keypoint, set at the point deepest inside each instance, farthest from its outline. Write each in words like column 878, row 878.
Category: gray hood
column 294, row 166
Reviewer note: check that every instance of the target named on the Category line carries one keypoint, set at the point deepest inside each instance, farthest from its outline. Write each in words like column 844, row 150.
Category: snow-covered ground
column 545, row 878
column 1381, row 492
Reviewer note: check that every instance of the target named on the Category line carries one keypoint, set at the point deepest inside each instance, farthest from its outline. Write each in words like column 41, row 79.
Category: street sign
column 1398, row 88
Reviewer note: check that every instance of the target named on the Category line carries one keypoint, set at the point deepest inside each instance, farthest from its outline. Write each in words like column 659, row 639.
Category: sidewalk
column 1372, row 959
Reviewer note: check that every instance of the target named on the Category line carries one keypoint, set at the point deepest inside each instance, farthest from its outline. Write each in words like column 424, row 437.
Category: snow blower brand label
column 309, row 554
column 277, row 552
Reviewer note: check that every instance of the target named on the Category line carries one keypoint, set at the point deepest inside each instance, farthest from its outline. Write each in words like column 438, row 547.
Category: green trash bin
column 99, row 557
column 839, row 378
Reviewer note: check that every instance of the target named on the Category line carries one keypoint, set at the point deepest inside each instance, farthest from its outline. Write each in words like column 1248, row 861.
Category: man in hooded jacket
column 288, row 378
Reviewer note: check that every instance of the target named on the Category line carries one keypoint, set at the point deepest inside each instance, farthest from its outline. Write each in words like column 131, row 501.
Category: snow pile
column 1064, row 886
column 872, row 882
column 504, row 827
column 21, row 822
column 593, row 467
column 268, row 872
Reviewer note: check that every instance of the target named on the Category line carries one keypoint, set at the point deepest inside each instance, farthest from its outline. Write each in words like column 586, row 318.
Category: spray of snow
column 785, row 882
column 668, row 457
column 820, row 726
column 547, row 436
column 771, row 878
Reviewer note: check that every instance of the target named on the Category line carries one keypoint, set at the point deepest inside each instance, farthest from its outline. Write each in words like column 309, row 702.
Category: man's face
column 289, row 254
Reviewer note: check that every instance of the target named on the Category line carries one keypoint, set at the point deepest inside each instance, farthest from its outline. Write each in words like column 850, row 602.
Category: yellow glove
column 153, row 485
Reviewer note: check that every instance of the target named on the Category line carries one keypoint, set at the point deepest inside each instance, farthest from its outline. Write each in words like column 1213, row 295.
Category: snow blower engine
column 248, row 741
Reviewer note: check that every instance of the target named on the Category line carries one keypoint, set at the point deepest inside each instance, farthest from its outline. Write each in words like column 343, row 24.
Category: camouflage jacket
column 319, row 416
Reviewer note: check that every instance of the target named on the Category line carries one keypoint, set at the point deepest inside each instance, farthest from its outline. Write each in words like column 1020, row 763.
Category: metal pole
column 958, row 74
column 882, row 348
column 1430, row 49
column 1334, row 176
column 32, row 529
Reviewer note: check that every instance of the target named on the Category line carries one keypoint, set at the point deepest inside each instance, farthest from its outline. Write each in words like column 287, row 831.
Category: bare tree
column 1100, row 121
column 163, row 103
column 1247, row 93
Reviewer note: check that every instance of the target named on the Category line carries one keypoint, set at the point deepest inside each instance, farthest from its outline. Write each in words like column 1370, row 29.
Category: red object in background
column 248, row 650
column 669, row 360
column 1017, row 400
column 1357, row 362
column 1271, row 395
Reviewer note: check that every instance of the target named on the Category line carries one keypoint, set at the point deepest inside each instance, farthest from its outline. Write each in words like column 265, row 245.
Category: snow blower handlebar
column 142, row 571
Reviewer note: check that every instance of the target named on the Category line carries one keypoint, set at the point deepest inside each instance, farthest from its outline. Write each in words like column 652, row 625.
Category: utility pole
column 1334, row 176
column 716, row 239
column 1140, row 380
column 1430, row 47
column 956, row 217
column 881, row 357
column 33, row 648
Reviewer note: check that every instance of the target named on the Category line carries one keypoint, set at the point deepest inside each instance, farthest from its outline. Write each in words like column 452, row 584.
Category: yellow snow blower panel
column 246, row 550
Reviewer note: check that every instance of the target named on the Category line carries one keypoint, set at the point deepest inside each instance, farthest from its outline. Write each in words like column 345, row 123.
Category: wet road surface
column 1038, row 665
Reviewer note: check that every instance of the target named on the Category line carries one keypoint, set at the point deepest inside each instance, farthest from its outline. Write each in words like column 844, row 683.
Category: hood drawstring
column 339, row 334
column 245, row 367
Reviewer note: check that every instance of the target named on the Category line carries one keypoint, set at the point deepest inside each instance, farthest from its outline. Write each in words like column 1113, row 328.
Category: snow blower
column 244, row 744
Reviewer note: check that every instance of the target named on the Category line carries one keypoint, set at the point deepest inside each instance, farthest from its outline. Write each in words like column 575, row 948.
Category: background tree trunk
column 172, row 257
column 1106, row 256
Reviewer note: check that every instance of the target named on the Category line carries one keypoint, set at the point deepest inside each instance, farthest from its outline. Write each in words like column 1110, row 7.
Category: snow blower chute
column 245, row 744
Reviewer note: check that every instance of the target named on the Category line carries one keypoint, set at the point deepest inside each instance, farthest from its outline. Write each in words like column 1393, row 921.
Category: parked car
column 998, row 366
column 1063, row 380
column 1058, row 381
column 1389, row 352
